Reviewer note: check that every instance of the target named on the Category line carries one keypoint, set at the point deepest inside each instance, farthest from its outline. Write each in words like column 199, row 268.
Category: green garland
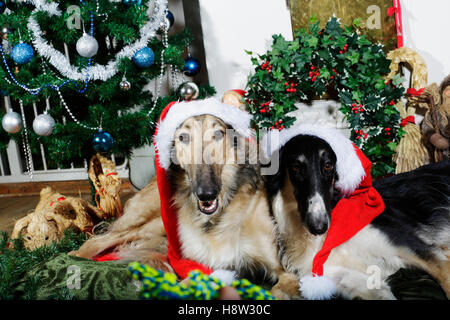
column 15, row 261
column 129, row 126
column 338, row 62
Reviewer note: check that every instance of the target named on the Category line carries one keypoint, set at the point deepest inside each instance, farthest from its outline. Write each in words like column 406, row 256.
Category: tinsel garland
column 97, row 71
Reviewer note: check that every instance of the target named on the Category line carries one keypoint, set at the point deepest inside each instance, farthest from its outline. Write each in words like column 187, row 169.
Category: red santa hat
column 170, row 119
column 360, row 204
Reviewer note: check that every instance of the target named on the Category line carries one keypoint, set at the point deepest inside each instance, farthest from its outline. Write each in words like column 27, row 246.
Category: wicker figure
column 411, row 152
column 107, row 184
column 52, row 216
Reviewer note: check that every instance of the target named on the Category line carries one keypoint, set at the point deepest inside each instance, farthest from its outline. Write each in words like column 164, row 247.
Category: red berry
column 332, row 77
column 353, row 104
column 340, row 52
column 286, row 83
column 312, row 68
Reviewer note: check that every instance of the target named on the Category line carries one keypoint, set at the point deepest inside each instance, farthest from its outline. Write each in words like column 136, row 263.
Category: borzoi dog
column 316, row 166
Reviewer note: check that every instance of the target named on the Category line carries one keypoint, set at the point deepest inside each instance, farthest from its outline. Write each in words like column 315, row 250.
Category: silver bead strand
column 26, row 144
column 165, row 43
column 78, row 122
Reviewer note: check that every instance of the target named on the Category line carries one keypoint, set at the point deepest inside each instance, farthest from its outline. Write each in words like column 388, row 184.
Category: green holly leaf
column 312, row 42
column 357, row 22
column 333, row 27
column 362, row 41
column 294, row 45
column 324, row 73
column 354, row 57
column 392, row 146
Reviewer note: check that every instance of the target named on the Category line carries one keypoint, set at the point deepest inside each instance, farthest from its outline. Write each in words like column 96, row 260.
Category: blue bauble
column 171, row 18
column 191, row 66
column 22, row 53
column 102, row 141
column 2, row 7
column 129, row 3
column 144, row 57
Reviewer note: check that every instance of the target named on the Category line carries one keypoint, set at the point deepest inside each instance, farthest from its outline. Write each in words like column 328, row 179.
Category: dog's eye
column 328, row 167
column 184, row 137
column 218, row 135
column 28, row 237
column 297, row 169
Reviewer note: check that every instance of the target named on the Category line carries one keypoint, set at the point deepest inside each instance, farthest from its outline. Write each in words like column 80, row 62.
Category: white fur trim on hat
column 317, row 288
column 348, row 166
column 181, row 111
column 226, row 276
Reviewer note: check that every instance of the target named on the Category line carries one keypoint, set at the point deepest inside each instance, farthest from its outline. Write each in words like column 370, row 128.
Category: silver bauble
column 12, row 122
column 188, row 91
column 87, row 46
column 125, row 85
column 43, row 124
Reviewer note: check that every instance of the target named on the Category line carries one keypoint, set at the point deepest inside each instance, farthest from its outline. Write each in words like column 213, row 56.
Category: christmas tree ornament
column 22, row 53
column 87, row 46
column 12, row 122
column 188, row 91
column 2, row 7
column 129, row 3
column 43, row 124
column 170, row 18
column 96, row 71
column 191, row 66
column 144, row 57
column 5, row 31
column 102, row 141
column 124, row 85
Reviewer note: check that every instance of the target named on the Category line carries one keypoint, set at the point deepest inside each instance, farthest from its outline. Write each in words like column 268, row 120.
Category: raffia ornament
column 52, row 216
column 436, row 123
column 107, row 184
column 411, row 152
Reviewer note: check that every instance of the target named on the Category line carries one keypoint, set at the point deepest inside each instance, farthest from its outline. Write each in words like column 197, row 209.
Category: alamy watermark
column 201, row 146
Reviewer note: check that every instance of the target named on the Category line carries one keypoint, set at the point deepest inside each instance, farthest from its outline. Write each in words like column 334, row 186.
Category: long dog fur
column 239, row 237
column 414, row 229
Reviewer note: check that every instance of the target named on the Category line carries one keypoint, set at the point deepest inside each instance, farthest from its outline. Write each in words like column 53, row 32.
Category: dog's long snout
column 207, row 186
column 317, row 217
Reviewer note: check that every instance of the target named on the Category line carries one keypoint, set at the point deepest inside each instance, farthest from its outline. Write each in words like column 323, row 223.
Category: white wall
column 425, row 25
column 232, row 26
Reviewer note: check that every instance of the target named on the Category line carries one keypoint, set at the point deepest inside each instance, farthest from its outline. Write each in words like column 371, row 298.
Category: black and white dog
column 317, row 168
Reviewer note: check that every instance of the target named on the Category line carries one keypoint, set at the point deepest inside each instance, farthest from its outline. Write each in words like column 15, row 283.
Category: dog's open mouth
column 208, row 207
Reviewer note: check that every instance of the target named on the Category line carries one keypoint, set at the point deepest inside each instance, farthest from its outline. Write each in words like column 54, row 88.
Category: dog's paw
column 226, row 276
column 287, row 287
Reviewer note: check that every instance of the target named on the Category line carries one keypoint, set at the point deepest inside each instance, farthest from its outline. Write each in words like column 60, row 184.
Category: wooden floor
column 20, row 200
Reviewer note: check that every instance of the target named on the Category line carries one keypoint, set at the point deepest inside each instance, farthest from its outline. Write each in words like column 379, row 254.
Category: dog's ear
column 275, row 182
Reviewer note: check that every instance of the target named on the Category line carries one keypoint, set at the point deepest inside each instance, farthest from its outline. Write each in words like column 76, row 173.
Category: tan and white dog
column 222, row 212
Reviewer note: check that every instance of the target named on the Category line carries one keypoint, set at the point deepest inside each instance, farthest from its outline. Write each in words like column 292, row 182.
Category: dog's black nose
column 207, row 193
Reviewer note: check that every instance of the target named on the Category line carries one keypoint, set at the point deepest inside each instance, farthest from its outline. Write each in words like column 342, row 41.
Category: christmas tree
column 78, row 73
